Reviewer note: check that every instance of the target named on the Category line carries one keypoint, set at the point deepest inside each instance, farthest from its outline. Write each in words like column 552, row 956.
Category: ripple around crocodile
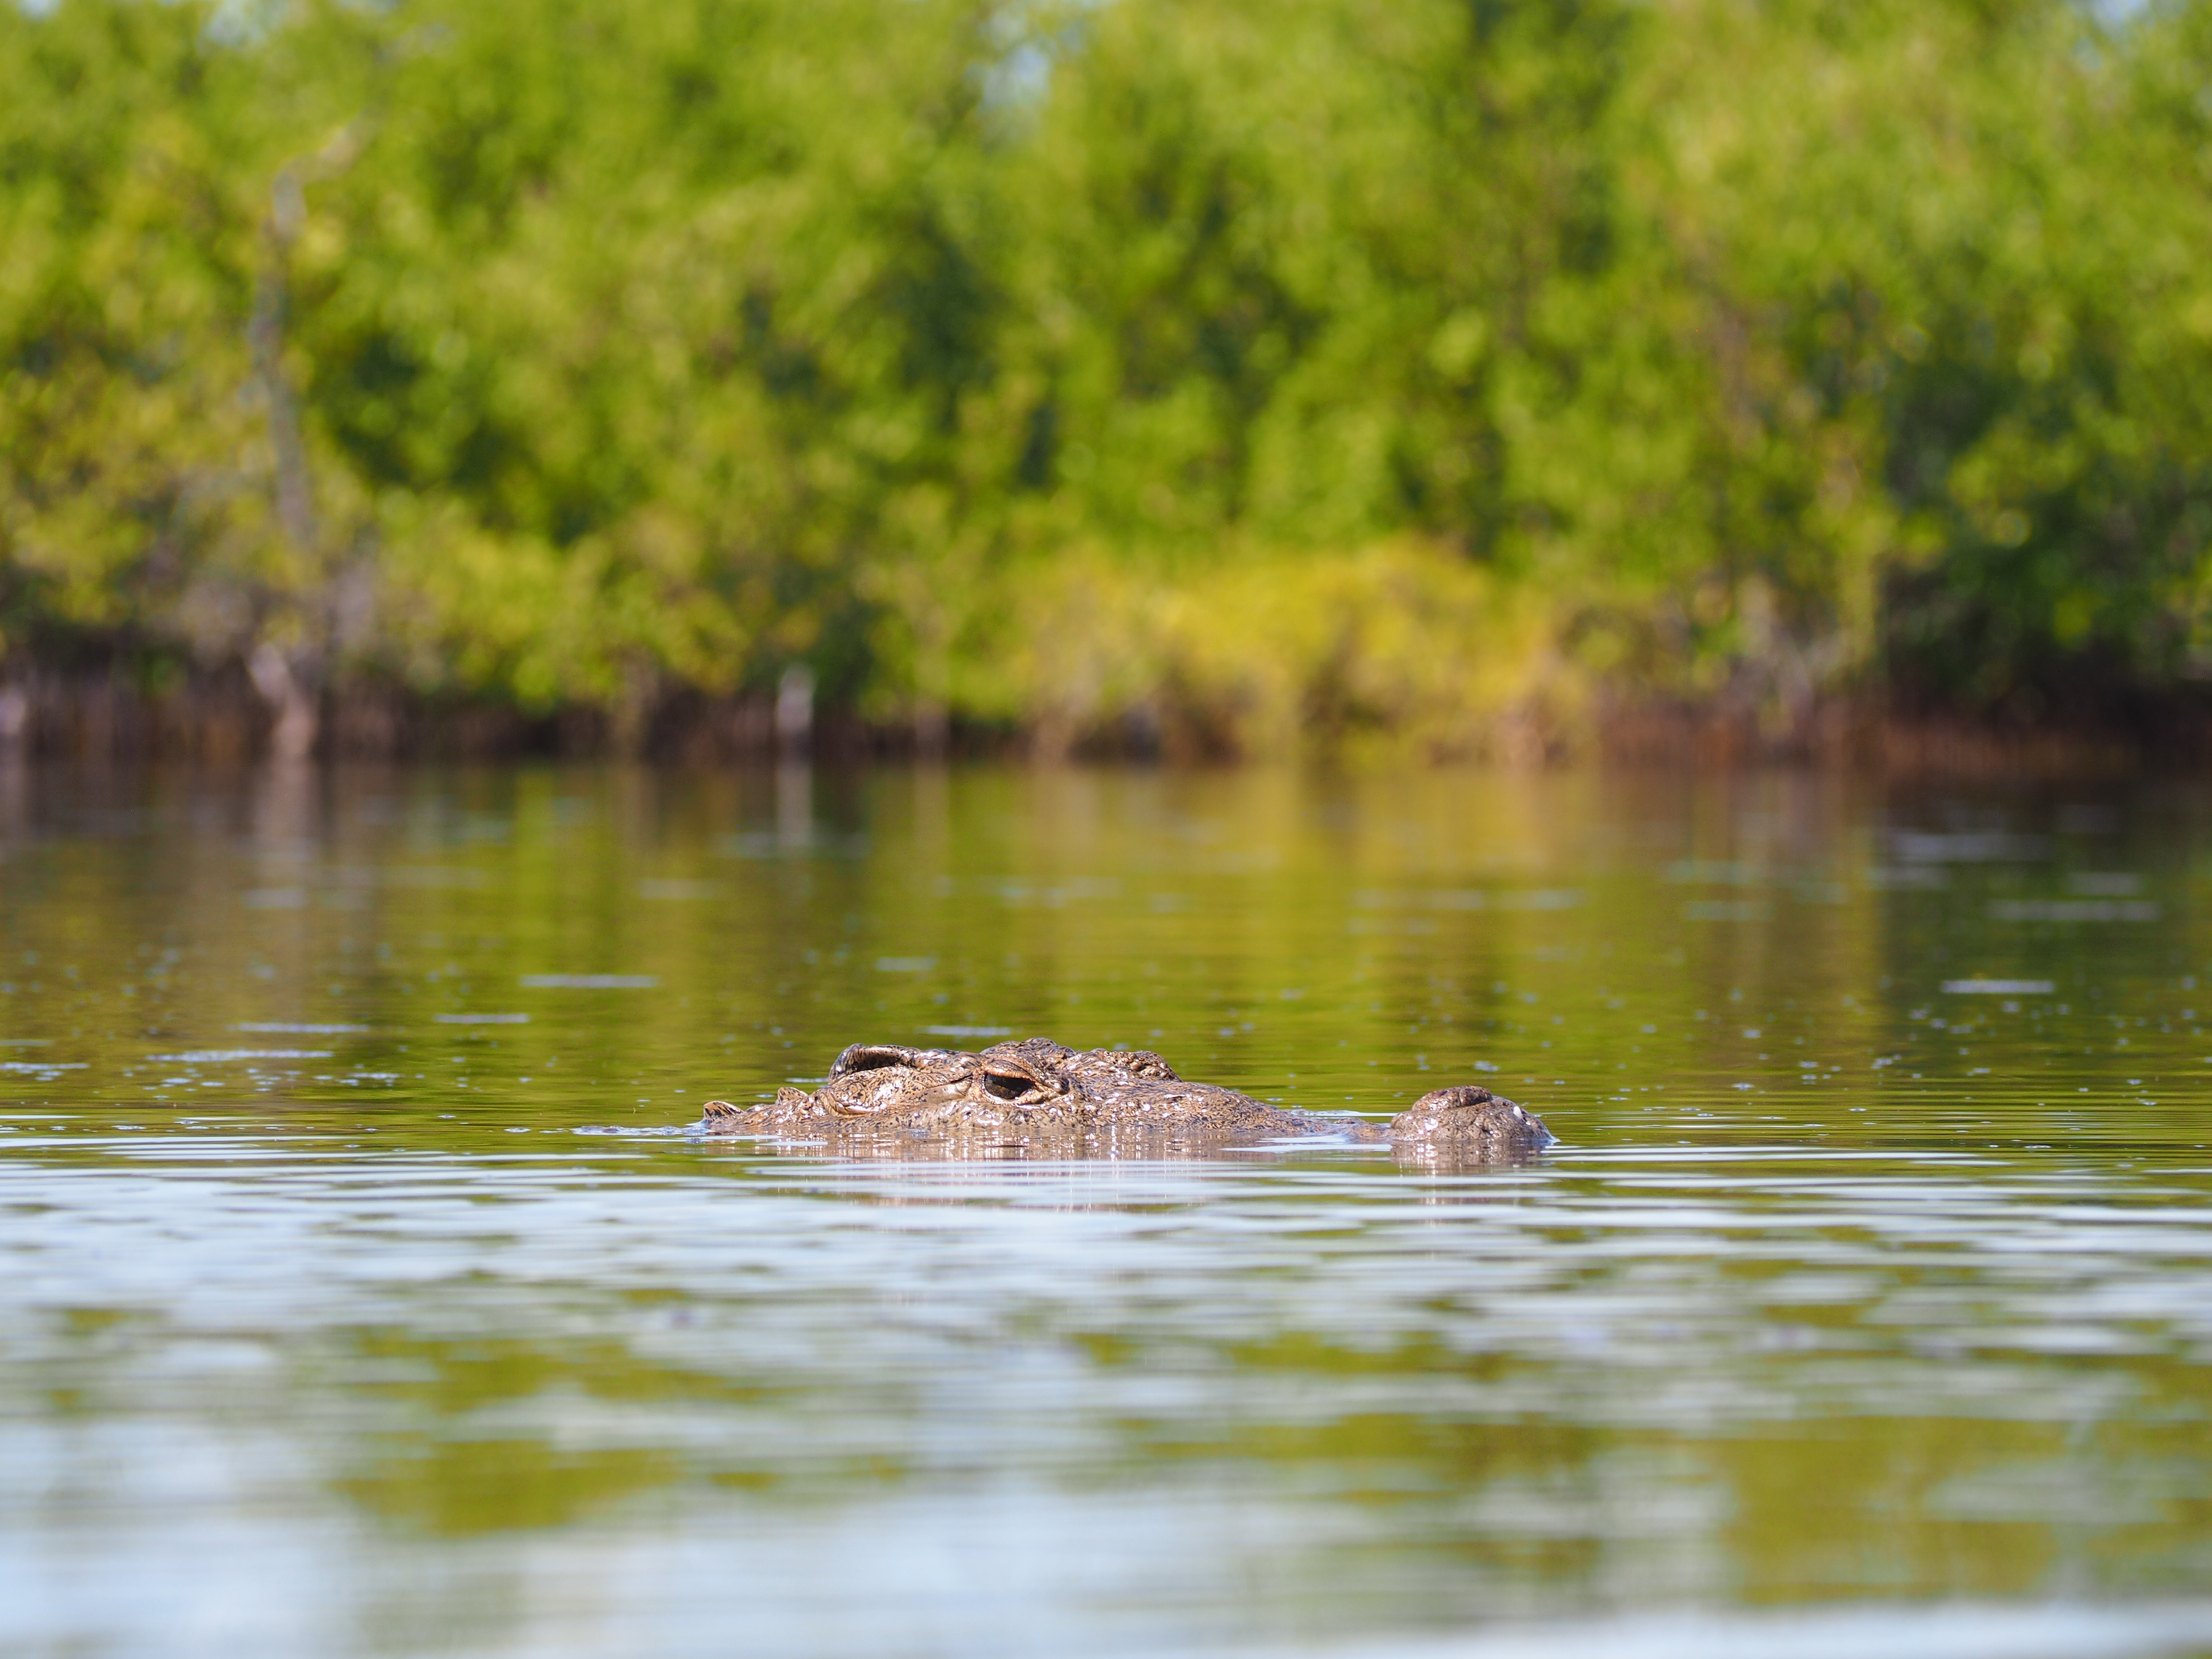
column 1034, row 1096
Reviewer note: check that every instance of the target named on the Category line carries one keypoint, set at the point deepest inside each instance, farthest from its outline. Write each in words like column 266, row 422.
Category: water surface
column 362, row 1295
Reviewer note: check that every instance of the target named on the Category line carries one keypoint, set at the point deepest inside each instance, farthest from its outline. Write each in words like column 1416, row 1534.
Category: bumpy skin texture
column 1035, row 1090
column 1469, row 1120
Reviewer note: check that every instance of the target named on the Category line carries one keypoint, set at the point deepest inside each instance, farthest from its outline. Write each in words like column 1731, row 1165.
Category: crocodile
column 1035, row 1092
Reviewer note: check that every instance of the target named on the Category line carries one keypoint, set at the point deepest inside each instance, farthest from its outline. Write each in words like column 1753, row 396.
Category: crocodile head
column 1037, row 1084
column 873, row 1079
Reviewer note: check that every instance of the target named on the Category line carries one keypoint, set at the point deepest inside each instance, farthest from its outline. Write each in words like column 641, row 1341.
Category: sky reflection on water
column 364, row 1296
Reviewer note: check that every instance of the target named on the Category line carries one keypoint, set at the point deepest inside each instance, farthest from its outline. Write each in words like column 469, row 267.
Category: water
column 360, row 1294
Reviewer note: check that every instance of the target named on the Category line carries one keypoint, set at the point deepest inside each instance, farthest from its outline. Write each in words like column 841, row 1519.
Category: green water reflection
column 364, row 1296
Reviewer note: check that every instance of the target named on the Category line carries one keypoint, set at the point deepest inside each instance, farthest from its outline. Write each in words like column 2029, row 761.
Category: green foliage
column 1332, row 366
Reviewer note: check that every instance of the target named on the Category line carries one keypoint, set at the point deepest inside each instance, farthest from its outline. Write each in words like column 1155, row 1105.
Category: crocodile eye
column 1007, row 1085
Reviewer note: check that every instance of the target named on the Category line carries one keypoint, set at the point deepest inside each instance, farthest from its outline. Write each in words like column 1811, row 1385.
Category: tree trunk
column 292, row 737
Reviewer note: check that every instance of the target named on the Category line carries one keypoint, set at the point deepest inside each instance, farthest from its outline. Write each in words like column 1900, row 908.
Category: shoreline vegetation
column 1503, row 380
column 224, row 722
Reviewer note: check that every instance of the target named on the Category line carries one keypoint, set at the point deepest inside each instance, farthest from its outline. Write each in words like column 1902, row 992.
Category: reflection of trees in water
column 460, row 1488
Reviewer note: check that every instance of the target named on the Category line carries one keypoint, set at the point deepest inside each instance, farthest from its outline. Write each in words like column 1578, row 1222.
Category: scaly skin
column 1014, row 1092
